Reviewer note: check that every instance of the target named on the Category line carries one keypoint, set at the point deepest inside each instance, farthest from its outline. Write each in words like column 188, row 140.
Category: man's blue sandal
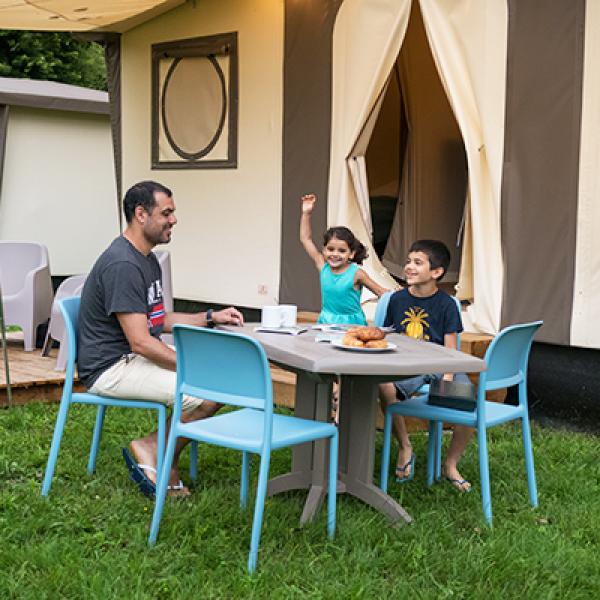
column 137, row 475
column 400, row 471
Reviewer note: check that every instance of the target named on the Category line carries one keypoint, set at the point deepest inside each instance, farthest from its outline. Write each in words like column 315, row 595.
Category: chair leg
column 529, row 465
column 161, row 488
column 194, row 460
column 61, row 359
column 431, row 452
column 161, row 439
column 484, row 474
column 332, row 491
column 96, row 436
column 385, row 453
column 47, row 343
column 261, row 493
column 439, row 430
column 61, row 419
column 29, row 330
column 244, row 480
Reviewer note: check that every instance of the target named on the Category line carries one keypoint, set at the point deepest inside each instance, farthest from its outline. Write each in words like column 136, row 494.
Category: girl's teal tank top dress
column 340, row 301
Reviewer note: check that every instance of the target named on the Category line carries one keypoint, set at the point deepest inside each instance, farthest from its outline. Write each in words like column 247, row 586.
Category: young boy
column 423, row 311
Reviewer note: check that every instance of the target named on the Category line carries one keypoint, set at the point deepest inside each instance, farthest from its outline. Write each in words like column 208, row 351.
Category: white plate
column 390, row 346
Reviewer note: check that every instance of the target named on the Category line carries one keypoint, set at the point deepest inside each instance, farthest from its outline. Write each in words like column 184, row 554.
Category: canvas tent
column 316, row 79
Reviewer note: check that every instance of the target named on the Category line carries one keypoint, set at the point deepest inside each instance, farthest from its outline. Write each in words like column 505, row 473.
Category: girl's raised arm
column 308, row 203
column 363, row 279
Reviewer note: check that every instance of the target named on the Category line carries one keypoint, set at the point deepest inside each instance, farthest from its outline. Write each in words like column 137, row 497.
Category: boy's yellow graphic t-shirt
column 427, row 319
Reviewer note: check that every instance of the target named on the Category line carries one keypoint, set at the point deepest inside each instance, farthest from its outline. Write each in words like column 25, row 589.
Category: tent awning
column 80, row 15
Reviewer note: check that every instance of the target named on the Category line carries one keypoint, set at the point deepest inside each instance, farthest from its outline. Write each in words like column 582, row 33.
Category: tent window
column 194, row 103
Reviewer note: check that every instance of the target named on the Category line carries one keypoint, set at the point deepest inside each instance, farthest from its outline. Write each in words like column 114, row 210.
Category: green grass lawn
column 88, row 539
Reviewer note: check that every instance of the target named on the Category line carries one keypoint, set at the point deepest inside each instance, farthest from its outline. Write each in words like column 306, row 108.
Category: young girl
column 341, row 277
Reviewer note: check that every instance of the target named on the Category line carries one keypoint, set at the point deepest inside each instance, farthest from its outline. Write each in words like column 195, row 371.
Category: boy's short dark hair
column 437, row 252
column 142, row 194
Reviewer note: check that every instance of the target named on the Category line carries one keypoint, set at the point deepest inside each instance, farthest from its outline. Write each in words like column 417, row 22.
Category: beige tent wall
column 58, row 186
column 366, row 42
column 226, row 245
column 585, row 321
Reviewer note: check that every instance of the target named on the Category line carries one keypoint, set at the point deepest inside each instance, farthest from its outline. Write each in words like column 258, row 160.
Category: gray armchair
column 26, row 287
column 71, row 286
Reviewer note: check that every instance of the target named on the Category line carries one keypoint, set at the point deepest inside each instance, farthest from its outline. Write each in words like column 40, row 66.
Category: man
column 122, row 315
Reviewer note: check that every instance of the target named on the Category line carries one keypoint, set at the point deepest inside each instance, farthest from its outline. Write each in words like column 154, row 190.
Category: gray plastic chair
column 71, row 286
column 164, row 260
column 26, row 287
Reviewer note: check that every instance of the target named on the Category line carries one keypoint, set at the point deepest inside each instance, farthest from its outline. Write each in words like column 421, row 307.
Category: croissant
column 376, row 344
column 367, row 334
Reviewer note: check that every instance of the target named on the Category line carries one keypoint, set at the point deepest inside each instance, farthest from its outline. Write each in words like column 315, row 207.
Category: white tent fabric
column 75, row 15
column 467, row 41
column 358, row 168
column 366, row 41
column 449, row 25
column 585, row 321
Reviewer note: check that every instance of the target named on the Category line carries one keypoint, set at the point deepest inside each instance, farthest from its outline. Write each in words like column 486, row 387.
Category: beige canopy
column 80, row 15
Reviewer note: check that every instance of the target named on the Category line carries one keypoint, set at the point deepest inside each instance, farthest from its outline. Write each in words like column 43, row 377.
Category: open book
column 288, row 330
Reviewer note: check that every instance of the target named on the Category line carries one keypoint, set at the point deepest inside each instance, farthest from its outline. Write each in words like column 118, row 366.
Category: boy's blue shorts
column 407, row 387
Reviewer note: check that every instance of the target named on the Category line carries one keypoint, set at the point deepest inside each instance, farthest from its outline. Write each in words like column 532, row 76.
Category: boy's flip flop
column 400, row 471
column 137, row 475
column 459, row 483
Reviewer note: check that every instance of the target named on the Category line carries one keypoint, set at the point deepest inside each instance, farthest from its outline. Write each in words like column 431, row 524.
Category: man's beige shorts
column 136, row 378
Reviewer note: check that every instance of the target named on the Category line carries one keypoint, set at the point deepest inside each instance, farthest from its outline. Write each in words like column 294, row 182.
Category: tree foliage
column 55, row 56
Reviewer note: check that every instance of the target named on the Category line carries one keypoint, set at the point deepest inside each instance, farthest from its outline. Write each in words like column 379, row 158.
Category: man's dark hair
column 142, row 194
column 437, row 252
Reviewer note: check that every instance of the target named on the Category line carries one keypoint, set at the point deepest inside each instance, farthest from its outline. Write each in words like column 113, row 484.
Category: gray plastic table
column 317, row 365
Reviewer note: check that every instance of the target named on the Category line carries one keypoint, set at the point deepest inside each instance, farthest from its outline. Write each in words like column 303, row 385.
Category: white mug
column 289, row 314
column 271, row 316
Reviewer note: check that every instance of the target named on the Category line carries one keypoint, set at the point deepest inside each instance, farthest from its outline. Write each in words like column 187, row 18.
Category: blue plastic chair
column 232, row 369
column 70, row 311
column 506, row 358
column 435, row 428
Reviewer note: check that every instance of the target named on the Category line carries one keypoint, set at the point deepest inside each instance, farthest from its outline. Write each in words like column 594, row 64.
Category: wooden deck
column 32, row 376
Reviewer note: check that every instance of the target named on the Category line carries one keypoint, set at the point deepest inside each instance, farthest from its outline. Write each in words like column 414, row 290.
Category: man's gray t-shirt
column 123, row 280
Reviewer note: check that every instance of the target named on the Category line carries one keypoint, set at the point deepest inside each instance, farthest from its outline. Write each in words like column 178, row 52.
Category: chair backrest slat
column 222, row 366
column 507, row 356
column 69, row 308
column 222, row 398
column 381, row 310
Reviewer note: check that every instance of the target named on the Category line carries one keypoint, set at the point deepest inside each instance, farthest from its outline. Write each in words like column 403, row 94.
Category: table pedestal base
column 357, row 411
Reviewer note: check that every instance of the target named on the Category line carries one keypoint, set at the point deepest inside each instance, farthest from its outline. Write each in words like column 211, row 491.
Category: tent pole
column 5, row 352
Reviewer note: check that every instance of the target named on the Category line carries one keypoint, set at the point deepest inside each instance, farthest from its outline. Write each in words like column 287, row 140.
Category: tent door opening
column 415, row 160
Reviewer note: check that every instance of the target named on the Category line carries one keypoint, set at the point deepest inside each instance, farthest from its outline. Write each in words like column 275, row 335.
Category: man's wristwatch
column 209, row 318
